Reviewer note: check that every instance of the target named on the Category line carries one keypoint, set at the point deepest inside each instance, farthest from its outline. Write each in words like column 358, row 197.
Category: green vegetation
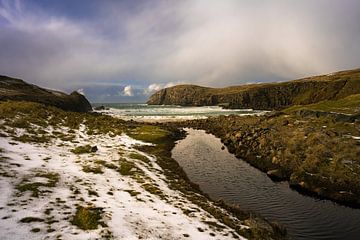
column 151, row 188
column 31, row 219
column 127, row 168
column 34, row 138
column 348, row 105
column 35, row 187
column 84, row 149
column 92, row 193
column 132, row 193
column 92, row 169
column 88, row 218
column 106, row 164
column 139, row 156
column 266, row 96
column 149, row 133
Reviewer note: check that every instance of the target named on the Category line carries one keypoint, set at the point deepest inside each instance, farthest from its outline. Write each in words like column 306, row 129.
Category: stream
column 223, row 176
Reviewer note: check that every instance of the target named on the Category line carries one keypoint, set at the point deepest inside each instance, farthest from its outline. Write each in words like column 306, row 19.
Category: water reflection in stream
column 221, row 175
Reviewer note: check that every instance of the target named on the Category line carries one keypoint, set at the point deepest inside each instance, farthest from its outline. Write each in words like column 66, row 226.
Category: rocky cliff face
column 264, row 96
column 19, row 90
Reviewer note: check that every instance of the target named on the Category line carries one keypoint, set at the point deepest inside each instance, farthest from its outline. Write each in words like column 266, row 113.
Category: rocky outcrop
column 19, row 90
column 264, row 96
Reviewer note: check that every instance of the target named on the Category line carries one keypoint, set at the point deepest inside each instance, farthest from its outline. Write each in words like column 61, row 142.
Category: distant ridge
column 19, row 90
column 265, row 96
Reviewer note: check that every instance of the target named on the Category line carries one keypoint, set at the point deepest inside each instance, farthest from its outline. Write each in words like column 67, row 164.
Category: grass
column 348, row 105
column 132, row 193
column 34, row 187
column 106, row 164
column 33, row 117
column 140, row 157
column 34, row 138
column 31, row 219
column 88, row 218
column 93, row 169
column 149, row 133
column 84, row 149
column 151, row 188
column 93, row 193
column 127, row 168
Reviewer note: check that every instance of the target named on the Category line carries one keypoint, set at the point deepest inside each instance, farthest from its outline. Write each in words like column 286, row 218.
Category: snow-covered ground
column 130, row 211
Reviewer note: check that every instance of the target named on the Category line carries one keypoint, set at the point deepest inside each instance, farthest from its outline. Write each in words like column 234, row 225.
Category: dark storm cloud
column 148, row 44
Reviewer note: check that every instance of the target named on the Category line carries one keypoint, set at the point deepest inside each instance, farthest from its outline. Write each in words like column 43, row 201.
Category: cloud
column 128, row 91
column 154, row 87
column 81, row 91
column 146, row 44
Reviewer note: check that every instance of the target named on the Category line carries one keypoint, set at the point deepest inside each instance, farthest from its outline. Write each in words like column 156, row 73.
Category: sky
column 125, row 50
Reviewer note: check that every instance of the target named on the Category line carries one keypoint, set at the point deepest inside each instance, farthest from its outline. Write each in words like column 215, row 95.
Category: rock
column 222, row 147
column 285, row 122
column 19, row 90
column 101, row 108
column 94, row 149
column 276, row 175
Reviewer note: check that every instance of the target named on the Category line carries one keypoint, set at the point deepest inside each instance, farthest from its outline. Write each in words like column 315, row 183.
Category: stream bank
column 221, row 175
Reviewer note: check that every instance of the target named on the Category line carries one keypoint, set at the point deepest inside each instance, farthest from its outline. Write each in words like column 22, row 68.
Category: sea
column 161, row 113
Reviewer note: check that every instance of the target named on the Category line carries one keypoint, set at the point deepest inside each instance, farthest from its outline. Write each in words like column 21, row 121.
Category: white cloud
column 128, row 91
column 154, row 87
column 81, row 91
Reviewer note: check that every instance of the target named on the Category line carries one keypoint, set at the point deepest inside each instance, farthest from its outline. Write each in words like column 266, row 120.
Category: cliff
column 19, row 90
column 264, row 96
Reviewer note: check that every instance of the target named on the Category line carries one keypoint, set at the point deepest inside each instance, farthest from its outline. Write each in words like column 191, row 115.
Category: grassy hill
column 19, row 90
column 266, row 96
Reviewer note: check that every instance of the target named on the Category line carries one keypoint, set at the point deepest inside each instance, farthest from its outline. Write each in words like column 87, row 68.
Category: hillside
column 19, row 90
column 266, row 96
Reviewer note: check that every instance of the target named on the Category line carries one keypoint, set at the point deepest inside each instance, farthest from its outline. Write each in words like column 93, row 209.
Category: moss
column 348, row 105
column 34, row 187
column 84, row 149
column 92, row 169
column 132, row 193
column 127, row 168
column 93, row 193
column 48, row 211
column 35, row 230
column 32, row 138
column 106, row 164
column 88, row 218
column 214, row 225
column 135, row 155
column 31, row 219
column 149, row 133
column 151, row 188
